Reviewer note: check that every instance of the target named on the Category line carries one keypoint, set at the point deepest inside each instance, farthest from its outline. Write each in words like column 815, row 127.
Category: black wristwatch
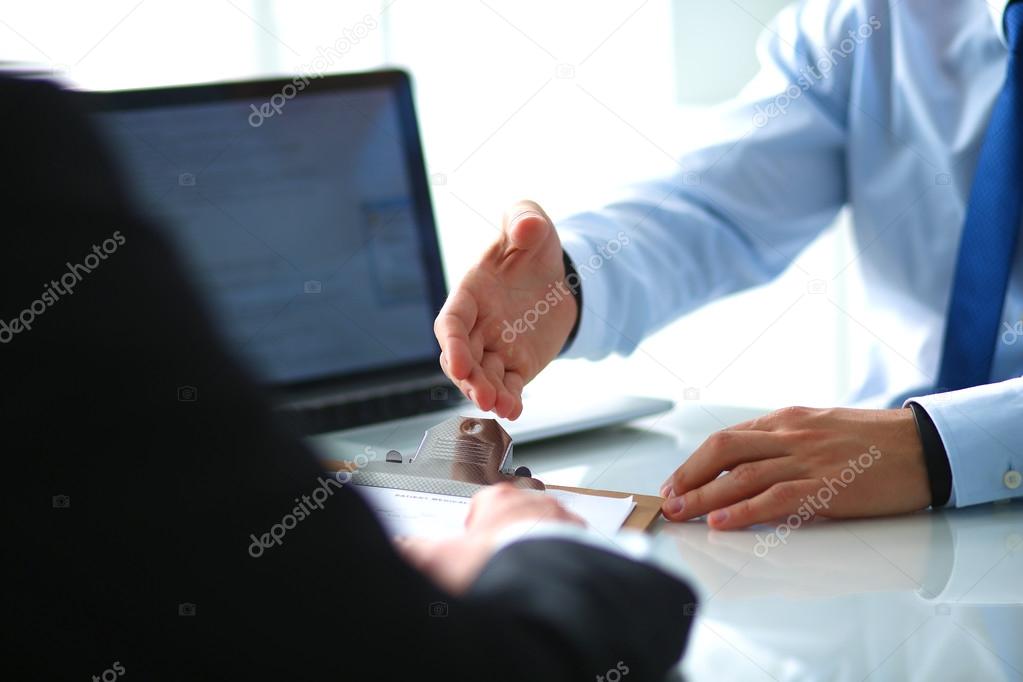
column 575, row 285
column 939, row 473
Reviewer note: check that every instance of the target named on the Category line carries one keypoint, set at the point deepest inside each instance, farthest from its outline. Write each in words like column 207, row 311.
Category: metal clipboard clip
column 457, row 457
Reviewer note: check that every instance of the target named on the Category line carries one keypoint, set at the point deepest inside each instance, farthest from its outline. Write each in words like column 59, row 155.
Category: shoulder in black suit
column 133, row 510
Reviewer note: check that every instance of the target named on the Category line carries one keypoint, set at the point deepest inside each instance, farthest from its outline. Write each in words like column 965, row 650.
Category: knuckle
column 719, row 441
column 784, row 493
column 794, row 413
column 745, row 474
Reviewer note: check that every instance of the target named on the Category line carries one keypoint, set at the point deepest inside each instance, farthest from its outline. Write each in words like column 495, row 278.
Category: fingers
column 490, row 387
column 514, row 383
column 452, row 328
column 743, row 482
column 493, row 367
column 489, row 498
column 723, row 451
column 502, row 504
column 563, row 514
column 780, row 500
column 526, row 226
column 479, row 389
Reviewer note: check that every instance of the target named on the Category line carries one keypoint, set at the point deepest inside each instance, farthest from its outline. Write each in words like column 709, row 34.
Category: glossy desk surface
column 928, row 596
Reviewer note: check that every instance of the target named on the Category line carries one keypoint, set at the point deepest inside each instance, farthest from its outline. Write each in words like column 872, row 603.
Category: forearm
column 601, row 608
column 759, row 184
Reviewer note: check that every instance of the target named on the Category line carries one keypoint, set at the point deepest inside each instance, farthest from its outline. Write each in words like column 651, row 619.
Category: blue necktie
column 993, row 218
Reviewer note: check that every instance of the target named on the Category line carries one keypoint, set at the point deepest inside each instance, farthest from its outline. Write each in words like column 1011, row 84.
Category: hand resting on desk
column 834, row 463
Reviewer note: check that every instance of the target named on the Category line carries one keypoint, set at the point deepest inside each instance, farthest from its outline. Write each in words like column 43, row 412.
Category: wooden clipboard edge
column 647, row 510
column 648, row 507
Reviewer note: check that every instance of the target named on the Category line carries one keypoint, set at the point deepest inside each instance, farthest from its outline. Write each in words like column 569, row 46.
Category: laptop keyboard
column 345, row 415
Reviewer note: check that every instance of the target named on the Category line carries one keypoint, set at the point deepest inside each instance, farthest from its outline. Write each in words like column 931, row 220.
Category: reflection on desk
column 930, row 596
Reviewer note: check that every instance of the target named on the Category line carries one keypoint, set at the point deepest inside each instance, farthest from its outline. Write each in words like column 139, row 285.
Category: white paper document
column 428, row 515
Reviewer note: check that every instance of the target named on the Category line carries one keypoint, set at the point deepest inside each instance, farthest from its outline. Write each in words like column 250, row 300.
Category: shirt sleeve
column 982, row 430
column 766, row 177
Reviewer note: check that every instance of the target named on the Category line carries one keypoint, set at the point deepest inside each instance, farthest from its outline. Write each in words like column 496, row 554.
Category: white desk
column 929, row 596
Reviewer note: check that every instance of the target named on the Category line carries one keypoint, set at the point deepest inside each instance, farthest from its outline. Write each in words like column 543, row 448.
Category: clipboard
column 642, row 518
column 463, row 454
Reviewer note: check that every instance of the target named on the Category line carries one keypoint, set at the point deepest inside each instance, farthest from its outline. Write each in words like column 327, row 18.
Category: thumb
column 526, row 226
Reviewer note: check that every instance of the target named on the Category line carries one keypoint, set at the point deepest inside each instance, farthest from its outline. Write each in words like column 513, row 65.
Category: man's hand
column 510, row 315
column 832, row 463
column 455, row 563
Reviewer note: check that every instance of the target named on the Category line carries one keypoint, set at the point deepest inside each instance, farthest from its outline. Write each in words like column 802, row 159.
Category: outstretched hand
column 494, row 339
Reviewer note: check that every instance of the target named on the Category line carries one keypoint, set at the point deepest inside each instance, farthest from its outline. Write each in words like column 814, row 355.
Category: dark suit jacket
column 132, row 511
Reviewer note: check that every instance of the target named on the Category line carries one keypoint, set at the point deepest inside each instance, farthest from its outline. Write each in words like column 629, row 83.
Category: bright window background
column 558, row 102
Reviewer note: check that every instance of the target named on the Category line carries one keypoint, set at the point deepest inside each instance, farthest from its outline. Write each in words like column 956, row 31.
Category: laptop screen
column 305, row 221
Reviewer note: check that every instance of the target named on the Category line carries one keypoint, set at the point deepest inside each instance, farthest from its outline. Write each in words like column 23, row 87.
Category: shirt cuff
column 982, row 431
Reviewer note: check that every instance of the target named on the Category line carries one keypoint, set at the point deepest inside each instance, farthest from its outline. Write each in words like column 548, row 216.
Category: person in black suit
column 135, row 508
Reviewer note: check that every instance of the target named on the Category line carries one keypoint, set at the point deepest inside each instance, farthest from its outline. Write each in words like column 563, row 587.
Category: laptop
column 302, row 210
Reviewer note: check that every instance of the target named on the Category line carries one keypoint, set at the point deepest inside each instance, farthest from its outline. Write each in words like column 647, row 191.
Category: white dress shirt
column 880, row 106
